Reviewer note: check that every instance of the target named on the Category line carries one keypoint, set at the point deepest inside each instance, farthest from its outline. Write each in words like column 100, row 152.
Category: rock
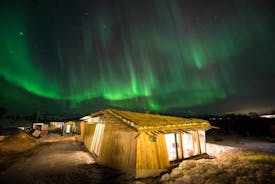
column 164, row 178
column 176, row 172
column 187, row 165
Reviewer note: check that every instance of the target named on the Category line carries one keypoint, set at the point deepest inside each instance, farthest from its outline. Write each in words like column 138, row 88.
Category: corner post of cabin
column 205, row 142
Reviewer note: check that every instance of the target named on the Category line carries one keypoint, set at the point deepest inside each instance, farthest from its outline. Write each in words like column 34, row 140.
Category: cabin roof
column 154, row 122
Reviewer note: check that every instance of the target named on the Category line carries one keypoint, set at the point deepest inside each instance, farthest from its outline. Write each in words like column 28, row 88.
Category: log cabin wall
column 152, row 156
column 118, row 147
column 88, row 135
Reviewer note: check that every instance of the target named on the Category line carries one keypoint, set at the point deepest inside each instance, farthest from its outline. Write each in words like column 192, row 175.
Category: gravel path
column 59, row 160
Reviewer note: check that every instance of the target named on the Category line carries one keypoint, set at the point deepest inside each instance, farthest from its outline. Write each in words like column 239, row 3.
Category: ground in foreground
column 57, row 159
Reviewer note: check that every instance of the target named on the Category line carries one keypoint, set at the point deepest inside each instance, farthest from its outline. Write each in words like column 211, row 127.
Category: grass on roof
column 145, row 119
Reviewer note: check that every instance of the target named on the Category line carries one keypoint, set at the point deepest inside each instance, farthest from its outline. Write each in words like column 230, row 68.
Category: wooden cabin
column 42, row 129
column 141, row 144
column 56, row 127
column 68, row 128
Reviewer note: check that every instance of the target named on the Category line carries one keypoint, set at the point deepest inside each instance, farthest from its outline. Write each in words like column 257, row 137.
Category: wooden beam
column 137, row 136
column 149, row 133
column 193, row 141
column 198, row 142
column 181, row 146
column 156, row 132
column 176, row 144
column 183, row 131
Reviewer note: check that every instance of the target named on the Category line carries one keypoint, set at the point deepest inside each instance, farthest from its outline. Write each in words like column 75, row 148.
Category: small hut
column 41, row 129
column 56, row 127
column 142, row 144
column 69, row 127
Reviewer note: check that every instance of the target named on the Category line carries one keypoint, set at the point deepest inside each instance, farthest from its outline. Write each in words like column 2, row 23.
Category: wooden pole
column 198, row 142
column 181, row 146
column 176, row 144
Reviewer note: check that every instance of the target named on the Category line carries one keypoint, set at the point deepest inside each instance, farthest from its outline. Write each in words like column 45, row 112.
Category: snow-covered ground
column 59, row 159
column 247, row 143
column 235, row 162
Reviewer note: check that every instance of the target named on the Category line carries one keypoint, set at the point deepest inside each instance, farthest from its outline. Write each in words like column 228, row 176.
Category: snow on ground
column 217, row 150
column 230, row 164
column 60, row 159
column 249, row 143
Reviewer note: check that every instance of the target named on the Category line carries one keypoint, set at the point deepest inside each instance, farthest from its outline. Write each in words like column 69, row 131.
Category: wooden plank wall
column 118, row 148
column 151, row 155
column 88, row 135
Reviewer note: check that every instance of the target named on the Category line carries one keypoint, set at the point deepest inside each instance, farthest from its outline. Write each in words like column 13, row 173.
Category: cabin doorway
column 174, row 146
column 183, row 145
column 97, row 138
column 68, row 129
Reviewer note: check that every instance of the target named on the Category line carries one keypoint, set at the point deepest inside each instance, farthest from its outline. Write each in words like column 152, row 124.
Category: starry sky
column 145, row 55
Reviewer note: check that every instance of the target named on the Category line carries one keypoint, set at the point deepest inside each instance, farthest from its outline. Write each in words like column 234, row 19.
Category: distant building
column 69, row 127
column 37, row 126
column 43, row 128
column 142, row 144
column 56, row 127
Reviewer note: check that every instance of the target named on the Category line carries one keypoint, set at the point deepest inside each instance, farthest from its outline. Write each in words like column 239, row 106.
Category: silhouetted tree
column 253, row 114
column 2, row 111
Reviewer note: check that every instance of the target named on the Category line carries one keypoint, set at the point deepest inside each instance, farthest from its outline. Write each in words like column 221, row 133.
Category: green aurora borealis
column 150, row 55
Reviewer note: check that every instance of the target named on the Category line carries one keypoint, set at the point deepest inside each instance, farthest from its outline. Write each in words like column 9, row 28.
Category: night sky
column 144, row 55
